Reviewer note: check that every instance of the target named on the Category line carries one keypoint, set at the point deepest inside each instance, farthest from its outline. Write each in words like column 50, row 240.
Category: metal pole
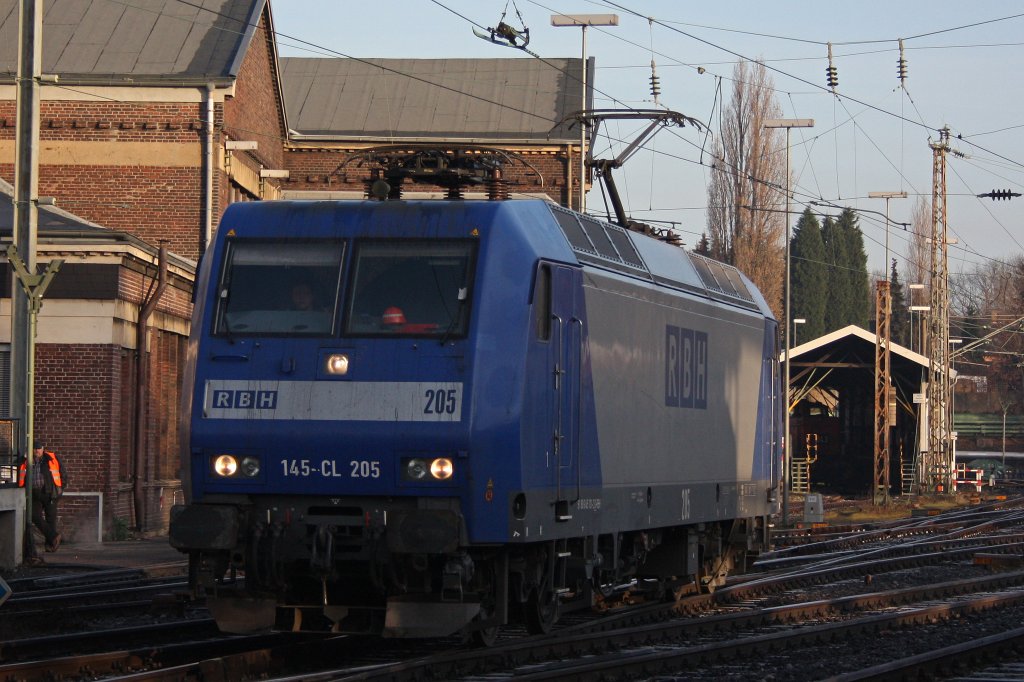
column 26, row 189
column 788, row 124
column 788, row 454
column 583, row 130
column 887, row 196
column 583, row 21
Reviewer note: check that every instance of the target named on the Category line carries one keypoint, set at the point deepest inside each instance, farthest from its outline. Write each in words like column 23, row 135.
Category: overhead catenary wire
column 308, row 45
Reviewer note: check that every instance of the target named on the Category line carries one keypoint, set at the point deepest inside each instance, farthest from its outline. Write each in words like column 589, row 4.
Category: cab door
column 564, row 357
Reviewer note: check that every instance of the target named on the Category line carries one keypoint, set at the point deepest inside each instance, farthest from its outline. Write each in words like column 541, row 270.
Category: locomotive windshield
column 279, row 288
column 410, row 287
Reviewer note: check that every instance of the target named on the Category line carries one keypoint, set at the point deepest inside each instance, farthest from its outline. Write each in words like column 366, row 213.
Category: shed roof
column 850, row 338
column 112, row 41
column 452, row 99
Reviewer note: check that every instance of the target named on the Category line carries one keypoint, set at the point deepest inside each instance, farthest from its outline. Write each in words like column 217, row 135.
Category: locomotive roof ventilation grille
column 600, row 243
column 722, row 278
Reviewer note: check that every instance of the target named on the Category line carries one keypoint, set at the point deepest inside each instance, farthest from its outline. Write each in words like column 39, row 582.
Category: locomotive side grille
column 570, row 225
column 720, row 277
column 600, row 239
column 624, row 246
column 600, row 243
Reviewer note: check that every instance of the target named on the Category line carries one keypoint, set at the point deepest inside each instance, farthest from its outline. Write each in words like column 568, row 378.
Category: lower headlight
column 225, row 465
column 428, row 469
column 416, row 469
column 442, row 468
column 250, row 467
column 229, row 466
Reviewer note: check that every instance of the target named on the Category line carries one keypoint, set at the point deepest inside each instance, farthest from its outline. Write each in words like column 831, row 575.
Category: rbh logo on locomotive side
column 686, row 368
column 260, row 400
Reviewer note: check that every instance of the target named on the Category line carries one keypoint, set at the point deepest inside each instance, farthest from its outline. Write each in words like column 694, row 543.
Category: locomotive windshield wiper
column 456, row 317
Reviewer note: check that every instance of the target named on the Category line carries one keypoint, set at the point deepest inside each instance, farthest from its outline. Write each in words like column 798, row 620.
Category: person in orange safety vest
column 48, row 481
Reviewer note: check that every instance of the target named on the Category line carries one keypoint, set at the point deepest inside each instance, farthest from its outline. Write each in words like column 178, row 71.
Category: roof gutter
column 441, row 141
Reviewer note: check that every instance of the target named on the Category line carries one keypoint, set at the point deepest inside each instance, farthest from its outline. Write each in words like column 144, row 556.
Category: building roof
column 852, row 336
column 51, row 218
column 112, row 41
column 477, row 100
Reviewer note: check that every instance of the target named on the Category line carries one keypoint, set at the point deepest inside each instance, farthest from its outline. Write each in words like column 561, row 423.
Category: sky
column 873, row 134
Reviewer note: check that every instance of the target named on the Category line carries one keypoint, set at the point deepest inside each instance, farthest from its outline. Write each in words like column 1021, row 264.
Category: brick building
column 86, row 361
column 340, row 108
column 164, row 113
column 133, row 143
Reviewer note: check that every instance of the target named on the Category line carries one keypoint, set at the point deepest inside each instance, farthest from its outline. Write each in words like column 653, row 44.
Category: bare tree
column 990, row 288
column 918, row 255
column 746, row 195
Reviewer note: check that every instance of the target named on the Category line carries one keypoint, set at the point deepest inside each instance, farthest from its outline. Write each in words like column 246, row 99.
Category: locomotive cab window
column 542, row 302
column 410, row 288
column 281, row 288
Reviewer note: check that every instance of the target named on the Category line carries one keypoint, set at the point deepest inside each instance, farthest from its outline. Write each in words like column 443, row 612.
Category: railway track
column 919, row 595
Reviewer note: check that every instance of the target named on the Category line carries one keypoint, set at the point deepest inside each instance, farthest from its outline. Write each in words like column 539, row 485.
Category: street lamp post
column 796, row 321
column 788, row 124
column 952, row 406
column 914, row 287
column 887, row 196
column 584, row 20
column 918, row 308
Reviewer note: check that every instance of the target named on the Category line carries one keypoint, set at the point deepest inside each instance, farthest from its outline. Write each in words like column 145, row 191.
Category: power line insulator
column 831, row 73
column 901, row 65
column 832, row 77
column 1000, row 194
column 655, row 83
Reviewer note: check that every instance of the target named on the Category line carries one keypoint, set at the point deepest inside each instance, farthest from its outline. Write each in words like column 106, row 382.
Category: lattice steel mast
column 938, row 466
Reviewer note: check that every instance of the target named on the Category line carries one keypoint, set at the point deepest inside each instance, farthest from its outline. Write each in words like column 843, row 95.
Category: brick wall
column 255, row 112
column 110, row 121
column 149, row 198
column 78, row 413
column 85, row 400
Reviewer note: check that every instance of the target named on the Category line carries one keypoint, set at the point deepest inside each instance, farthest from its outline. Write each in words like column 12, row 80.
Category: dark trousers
column 44, row 515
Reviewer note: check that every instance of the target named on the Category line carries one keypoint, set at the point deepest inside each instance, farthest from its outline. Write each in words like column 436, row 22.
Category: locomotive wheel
column 541, row 610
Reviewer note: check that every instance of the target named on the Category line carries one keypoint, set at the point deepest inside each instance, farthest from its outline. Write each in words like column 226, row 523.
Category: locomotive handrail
column 579, row 409
column 558, row 407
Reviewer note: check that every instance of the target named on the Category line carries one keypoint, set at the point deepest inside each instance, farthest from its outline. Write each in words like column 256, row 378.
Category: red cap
column 393, row 315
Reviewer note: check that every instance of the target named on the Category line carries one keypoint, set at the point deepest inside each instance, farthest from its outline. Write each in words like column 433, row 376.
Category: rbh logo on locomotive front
column 416, row 401
column 686, row 368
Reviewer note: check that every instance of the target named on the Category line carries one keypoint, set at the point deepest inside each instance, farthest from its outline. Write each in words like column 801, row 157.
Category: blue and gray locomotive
column 420, row 418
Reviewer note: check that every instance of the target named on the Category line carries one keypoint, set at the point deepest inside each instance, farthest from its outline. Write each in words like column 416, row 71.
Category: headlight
column 225, row 465
column 416, row 469
column 424, row 470
column 228, row 466
column 337, row 363
column 250, row 466
column 441, row 468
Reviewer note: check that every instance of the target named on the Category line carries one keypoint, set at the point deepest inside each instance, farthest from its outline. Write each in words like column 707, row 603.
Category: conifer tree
column 856, row 271
column 837, row 293
column 808, row 276
column 899, row 317
column 703, row 245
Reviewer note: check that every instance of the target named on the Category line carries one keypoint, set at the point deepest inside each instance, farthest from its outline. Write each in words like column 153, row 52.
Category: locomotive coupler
column 321, row 555
column 457, row 572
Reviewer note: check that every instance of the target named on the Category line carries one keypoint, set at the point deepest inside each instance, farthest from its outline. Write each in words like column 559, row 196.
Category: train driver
column 302, row 296
column 393, row 318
